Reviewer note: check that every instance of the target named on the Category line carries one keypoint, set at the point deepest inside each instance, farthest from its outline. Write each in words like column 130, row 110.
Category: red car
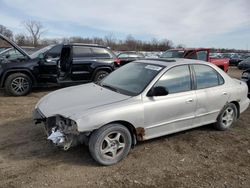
column 197, row 53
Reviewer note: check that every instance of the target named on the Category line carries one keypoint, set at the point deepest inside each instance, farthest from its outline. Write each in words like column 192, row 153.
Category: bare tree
column 6, row 32
column 35, row 29
column 110, row 40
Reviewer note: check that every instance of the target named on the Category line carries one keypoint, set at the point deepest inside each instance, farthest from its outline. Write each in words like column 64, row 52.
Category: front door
column 175, row 111
column 48, row 68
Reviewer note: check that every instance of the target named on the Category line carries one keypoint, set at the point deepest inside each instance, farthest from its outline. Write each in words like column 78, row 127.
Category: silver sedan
column 139, row 101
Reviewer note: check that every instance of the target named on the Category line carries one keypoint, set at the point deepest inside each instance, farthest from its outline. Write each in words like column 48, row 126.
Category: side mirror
column 7, row 56
column 157, row 91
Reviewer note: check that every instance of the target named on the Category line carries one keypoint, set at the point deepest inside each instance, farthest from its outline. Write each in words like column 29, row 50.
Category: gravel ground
column 201, row 157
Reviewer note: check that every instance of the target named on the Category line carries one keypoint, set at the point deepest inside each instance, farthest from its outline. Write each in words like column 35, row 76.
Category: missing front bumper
column 61, row 131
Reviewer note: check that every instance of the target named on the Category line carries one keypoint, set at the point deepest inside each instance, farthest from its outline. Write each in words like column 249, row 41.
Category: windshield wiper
column 110, row 87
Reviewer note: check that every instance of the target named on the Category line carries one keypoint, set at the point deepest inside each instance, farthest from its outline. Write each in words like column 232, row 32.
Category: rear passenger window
column 101, row 53
column 206, row 77
column 82, row 51
column 176, row 79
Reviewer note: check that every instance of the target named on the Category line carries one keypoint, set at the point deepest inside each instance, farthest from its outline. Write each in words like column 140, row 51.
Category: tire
column 227, row 117
column 18, row 84
column 100, row 75
column 110, row 144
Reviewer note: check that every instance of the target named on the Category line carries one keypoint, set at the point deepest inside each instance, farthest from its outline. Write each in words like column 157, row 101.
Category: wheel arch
column 24, row 71
column 238, row 108
column 105, row 68
column 129, row 126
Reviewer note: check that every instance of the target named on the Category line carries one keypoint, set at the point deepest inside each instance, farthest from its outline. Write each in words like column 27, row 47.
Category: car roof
column 171, row 61
column 88, row 45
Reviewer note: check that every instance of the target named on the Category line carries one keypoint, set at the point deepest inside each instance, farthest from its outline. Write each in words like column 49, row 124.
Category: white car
column 139, row 101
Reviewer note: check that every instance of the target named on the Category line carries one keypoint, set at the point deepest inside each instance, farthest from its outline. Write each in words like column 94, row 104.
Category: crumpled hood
column 77, row 100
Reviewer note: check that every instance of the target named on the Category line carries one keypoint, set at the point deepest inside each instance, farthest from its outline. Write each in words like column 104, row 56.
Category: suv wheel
column 100, row 75
column 110, row 144
column 18, row 84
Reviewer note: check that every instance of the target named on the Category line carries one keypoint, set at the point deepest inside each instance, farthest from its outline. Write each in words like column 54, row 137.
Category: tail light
column 117, row 61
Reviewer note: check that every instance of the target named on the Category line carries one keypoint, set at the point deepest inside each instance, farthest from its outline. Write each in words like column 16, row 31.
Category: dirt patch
column 201, row 157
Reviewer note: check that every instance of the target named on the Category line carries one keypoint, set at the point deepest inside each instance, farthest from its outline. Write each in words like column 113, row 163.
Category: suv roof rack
column 85, row 44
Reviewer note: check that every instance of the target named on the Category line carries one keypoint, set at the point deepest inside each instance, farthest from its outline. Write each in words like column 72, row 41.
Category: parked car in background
column 246, row 77
column 3, row 48
column 215, row 55
column 235, row 59
column 142, row 100
column 197, row 53
column 244, row 64
column 127, row 57
column 63, row 64
column 10, row 53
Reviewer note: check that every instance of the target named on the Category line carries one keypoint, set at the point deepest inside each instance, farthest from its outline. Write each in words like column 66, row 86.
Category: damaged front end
column 61, row 131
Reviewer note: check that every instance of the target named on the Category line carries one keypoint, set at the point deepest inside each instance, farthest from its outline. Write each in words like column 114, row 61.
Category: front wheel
column 110, row 144
column 226, row 118
column 18, row 84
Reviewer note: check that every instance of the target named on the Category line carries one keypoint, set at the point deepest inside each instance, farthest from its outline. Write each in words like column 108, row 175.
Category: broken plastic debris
column 182, row 160
column 56, row 137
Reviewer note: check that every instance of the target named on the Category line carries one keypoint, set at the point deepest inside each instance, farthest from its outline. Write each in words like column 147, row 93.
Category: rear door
column 81, row 63
column 211, row 94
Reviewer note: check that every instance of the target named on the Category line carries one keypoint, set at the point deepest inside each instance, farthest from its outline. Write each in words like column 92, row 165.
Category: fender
column 14, row 71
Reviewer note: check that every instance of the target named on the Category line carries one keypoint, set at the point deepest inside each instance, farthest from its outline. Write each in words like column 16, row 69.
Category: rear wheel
column 18, row 84
column 110, row 144
column 226, row 118
column 100, row 75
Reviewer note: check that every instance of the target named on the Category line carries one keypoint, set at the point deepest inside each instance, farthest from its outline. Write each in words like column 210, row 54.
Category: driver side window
column 176, row 80
column 54, row 52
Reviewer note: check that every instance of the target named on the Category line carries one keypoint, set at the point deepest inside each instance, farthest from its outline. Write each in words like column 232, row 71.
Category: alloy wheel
column 112, row 145
column 20, row 85
column 228, row 117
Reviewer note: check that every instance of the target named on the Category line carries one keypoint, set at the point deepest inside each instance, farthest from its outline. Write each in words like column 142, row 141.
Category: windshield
column 41, row 51
column 173, row 54
column 132, row 78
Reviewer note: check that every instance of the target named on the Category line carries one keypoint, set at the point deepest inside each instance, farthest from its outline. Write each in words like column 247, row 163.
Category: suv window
column 101, row 53
column 202, row 55
column 82, row 51
column 54, row 52
column 176, row 79
column 206, row 77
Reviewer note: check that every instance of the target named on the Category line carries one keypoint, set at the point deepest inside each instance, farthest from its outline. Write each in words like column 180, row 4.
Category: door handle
column 189, row 100
column 224, row 93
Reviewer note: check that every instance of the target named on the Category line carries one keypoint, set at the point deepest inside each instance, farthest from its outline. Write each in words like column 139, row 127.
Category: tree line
column 35, row 31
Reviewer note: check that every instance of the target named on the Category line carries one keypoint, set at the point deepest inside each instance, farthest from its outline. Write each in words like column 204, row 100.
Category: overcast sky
column 195, row 23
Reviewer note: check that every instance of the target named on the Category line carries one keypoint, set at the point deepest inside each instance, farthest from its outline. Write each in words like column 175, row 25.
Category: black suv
column 63, row 64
